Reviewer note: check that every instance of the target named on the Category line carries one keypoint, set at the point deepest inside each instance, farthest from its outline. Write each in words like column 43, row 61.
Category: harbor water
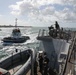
column 7, row 49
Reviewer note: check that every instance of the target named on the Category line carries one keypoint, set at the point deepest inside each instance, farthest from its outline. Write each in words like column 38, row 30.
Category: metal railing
column 43, row 33
column 55, row 34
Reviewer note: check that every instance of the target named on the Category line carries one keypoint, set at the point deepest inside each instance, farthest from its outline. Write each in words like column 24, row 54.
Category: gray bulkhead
column 55, row 48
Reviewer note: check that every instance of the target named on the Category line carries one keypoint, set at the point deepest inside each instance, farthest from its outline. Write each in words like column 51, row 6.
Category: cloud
column 66, row 15
column 1, row 15
column 46, row 10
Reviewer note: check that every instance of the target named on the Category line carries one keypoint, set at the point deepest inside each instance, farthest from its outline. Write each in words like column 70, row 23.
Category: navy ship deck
column 67, row 66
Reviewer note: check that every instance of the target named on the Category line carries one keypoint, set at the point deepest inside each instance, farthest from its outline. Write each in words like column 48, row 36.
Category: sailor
column 45, row 65
column 41, row 63
column 46, row 59
column 51, row 29
column 57, row 25
column 35, row 67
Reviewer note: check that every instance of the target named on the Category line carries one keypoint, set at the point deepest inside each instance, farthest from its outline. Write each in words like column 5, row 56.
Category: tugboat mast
column 16, row 22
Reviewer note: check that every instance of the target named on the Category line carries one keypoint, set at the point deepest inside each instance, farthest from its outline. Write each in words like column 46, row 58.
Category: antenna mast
column 16, row 22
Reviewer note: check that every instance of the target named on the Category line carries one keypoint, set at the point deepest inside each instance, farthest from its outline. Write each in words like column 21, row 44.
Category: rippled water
column 8, row 48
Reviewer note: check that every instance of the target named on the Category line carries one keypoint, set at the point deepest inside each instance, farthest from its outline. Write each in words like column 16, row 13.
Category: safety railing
column 43, row 33
column 55, row 34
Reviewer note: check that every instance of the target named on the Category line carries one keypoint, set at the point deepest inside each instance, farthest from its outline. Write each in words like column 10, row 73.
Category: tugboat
column 16, row 36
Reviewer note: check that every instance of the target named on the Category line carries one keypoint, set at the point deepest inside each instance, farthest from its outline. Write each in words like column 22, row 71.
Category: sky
column 42, row 13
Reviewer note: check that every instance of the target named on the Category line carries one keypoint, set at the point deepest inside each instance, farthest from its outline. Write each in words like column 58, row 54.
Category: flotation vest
column 0, row 73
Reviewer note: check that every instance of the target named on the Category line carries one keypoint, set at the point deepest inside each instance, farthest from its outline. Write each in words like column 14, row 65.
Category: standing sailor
column 57, row 25
column 41, row 63
column 45, row 65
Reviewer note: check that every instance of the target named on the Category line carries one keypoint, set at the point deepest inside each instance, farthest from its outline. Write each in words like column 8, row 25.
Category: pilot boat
column 16, row 36
column 18, row 63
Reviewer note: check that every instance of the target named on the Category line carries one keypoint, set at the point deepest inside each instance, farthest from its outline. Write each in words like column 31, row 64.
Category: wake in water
column 9, row 48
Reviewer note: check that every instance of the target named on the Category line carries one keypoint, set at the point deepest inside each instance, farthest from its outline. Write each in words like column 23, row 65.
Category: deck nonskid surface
column 15, row 69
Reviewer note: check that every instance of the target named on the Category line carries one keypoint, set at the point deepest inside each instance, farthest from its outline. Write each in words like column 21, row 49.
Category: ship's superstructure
column 58, row 45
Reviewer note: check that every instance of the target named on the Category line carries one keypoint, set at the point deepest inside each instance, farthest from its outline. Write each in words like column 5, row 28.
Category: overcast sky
column 38, row 12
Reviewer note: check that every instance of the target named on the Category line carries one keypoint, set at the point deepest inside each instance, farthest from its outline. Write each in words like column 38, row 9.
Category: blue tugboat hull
column 15, row 40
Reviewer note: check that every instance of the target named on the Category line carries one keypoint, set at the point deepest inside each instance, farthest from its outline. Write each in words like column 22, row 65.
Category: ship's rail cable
column 72, row 47
column 69, row 54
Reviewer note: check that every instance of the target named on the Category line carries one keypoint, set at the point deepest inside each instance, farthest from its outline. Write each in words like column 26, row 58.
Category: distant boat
column 16, row 36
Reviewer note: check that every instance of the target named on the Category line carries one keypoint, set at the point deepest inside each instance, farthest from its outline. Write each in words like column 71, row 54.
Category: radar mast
column 16, row 22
